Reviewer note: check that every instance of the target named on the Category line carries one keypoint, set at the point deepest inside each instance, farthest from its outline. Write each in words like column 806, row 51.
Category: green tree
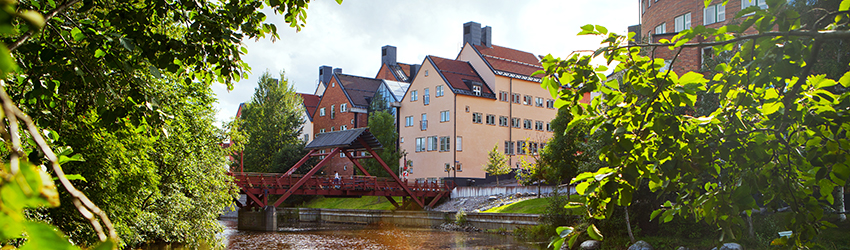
column 382, row 125
column 778, row 130
column 561, row 157
column 497, row 163
column 272, row 123
column 125, row 84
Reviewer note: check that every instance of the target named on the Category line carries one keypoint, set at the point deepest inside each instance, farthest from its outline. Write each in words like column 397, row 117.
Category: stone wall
column 422, row 219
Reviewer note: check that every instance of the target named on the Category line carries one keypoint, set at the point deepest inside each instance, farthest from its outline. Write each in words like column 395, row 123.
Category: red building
column 663, row 19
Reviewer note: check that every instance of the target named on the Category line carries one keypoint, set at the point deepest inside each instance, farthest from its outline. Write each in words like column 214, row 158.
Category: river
column 344, row 236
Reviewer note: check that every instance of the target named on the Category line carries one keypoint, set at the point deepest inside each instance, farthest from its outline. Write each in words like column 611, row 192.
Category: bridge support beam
column 261, row 220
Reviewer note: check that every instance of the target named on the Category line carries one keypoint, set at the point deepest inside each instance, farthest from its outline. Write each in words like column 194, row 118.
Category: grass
column 530, row 206
column 365, row 202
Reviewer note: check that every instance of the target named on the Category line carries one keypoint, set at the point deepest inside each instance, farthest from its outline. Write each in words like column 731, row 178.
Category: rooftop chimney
column 325, row 74
column 487, row 36
column 388, row 55
column 338, row 71
column 413, row 70
column 472, row 33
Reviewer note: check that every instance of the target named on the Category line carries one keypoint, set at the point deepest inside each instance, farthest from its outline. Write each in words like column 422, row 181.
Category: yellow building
column 456, row 111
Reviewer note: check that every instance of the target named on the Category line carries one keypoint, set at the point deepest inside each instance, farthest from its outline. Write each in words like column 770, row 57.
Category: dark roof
column 509, row 60
column 358, row 89
column 311, row 103
column 345, row 139
column 460, row 76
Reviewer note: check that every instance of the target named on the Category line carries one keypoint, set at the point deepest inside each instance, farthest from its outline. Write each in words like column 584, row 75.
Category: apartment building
column 311, row 103
column 663, row 19
column 457, row 110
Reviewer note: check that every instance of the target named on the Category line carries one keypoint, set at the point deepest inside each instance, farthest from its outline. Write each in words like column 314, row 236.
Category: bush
column 460, row 217
column 536, row 233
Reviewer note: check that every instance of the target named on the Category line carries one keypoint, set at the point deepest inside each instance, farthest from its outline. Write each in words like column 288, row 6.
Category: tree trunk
column 750, row 227
column 841, row 207
column 628, row 224
column 538, row 189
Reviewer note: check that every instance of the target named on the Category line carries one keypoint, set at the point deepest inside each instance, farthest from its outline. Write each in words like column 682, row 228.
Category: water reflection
column 336, row 236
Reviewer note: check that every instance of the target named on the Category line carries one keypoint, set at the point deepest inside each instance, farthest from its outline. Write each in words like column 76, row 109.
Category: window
column 459, row 143
column 476, row 89
column 661, row 29
column 343, row 108
column 424, row 123
column 332, row 129
column 439, row 91
column 683, row 22
column 515, row 98
column 707, row 53
column 491, row 119
column 747, row 3
column 322, row 156
column 549, row 127
column 420, row 144
column 332, row 112
column 526, row 124
column 426, row 73
column 445, row 144
column 322, row 112
column 538, row 102
column 476, row 117
column 550, row 104
column 520, row 147
column 538, row 125
column 341, row 154
column 532, row 147
column 459, row 167
column 503, row 121
column 321, row 130
column 343, row 127
column 526, row 100
column 444, row 116
column 642, row 7
column 408, row 121
column 414, row 95
column 503, row 96
column 426, row 97
column 515, row 122
column 432, row 143
column 509, row 147
column 714, row 14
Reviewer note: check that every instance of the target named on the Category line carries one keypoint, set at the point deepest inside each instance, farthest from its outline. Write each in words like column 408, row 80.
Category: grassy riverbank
column 530, row 206
column 365, row 202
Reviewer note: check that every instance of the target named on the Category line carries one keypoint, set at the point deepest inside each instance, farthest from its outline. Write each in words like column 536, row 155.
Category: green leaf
column 7, row 64
column 106, row 245
column 556, row 244
column 99, row 53
column 845, row 80
column 75, row 177
column 572, row 241
column 594, row 233
column 581, row 188
column 601, row 29
column 772, row 107
column 77, row 34
column 45, row 236
column 845, row 5
column 564, row 231
column 655, row 213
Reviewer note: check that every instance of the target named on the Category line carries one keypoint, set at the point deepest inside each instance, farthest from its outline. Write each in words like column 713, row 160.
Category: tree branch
column 823, row 35
column 47, row 18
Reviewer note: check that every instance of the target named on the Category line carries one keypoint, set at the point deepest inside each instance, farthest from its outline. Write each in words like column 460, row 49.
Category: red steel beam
column 305, row 178
column 301, row 162
column 356, row 162
column 389, row 171
column 392, row 201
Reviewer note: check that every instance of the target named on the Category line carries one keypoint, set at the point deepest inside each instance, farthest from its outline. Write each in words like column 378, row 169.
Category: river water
column 344, row 236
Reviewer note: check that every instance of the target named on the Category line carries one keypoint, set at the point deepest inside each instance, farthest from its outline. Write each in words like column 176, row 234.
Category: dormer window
column 476, row 89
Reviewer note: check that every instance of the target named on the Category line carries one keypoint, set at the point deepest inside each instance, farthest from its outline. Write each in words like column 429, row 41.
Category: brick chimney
column 338, row 71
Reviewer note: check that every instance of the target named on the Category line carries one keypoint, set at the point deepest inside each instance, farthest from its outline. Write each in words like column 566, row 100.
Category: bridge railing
column 351, row 182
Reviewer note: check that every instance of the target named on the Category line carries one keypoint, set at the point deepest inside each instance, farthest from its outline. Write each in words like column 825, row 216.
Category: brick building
column 663, row 19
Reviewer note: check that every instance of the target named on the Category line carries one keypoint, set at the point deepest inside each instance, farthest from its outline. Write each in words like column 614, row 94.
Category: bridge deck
column 264, row 184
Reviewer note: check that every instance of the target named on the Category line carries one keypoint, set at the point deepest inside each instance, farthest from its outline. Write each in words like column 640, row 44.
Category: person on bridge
column 336, row 179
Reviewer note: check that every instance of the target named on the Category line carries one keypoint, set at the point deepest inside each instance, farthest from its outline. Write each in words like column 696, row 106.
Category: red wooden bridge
column 259, row 187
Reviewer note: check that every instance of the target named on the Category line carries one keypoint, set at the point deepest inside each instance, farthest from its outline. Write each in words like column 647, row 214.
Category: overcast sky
column 350, row 36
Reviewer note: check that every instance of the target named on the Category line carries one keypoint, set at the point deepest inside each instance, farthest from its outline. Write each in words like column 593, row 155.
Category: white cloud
column 350, row 36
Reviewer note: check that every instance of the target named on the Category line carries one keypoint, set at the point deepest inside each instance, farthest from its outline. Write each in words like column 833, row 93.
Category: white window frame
column 714, row 14
column 444, row 116
column 322, row 112
column 682, row 22
column 414, row 95
column 476, row 117
column 343, row 108
column 426, row 97
column 661, row 28
column 343, row 127
column 408, row 121
column 762, row 4
column 459, row 143
column 476, row 89
column 439, row 91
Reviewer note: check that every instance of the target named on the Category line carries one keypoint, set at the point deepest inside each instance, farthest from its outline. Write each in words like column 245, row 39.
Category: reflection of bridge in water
column 259, row 187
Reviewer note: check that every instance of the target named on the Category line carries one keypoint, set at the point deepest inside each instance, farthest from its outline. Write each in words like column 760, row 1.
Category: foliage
column 778, row 132
column 497, row 163
column 126, row 85
column 382, row 125
column 561, row 157
column 460, row 217
column 272, row 123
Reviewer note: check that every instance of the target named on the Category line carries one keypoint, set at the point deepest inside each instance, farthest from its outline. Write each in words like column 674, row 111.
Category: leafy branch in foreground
column 779, row 132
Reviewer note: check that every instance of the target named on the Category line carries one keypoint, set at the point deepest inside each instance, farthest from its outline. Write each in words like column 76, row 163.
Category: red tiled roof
column 359, row 89
column 311, row 103
column 510, row 60
column 455, row 72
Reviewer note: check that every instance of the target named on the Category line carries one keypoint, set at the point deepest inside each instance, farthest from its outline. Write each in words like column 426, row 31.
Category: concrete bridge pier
column 261, row 220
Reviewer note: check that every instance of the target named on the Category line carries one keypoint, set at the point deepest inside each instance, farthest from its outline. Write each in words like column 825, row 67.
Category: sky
column 350, row 36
